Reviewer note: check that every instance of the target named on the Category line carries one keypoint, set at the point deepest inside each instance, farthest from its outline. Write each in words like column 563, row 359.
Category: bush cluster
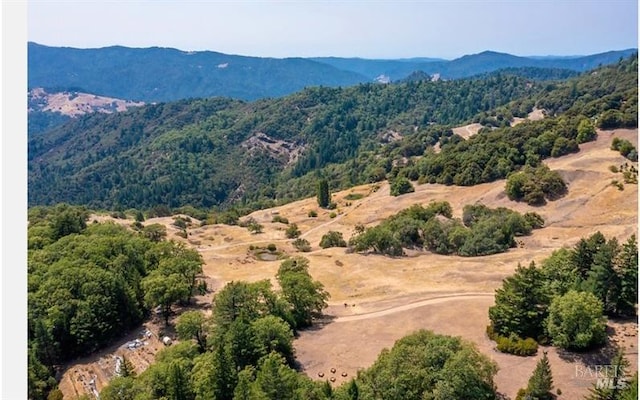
column 535, row 185
column 625, row 148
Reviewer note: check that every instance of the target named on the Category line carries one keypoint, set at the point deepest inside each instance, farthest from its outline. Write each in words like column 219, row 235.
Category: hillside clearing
column 375, row 300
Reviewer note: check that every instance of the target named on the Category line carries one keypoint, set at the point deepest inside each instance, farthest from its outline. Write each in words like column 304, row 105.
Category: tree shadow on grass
column 319, row 323
column 600, row 356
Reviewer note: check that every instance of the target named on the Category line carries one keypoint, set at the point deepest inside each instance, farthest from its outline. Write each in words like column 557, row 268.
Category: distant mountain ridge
column 164, row 74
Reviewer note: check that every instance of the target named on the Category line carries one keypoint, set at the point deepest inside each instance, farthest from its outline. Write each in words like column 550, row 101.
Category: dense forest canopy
column 89, row 284
column 217, row 151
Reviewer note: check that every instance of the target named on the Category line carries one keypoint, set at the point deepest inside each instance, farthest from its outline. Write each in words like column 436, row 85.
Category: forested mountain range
column 163, row 74
column 469, row 65
column 224, row 152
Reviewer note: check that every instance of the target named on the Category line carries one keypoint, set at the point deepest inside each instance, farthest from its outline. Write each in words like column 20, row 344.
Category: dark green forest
column 218, row 153
column 198, row 152
column 89, row 284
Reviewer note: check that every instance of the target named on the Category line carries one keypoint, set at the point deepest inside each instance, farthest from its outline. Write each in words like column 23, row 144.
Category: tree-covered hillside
column 218, row 151
column 221, row 152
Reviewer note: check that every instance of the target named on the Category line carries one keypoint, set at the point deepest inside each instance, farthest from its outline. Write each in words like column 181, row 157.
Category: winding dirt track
column 410, row 306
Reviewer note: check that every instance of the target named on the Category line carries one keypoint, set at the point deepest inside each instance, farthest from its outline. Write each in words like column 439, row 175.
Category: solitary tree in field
column 323, row 193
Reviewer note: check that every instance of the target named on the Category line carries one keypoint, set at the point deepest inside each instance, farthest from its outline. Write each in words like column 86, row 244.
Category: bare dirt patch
column 90, row 374
column 467, row 131
column 74, row 104
column 535, row 115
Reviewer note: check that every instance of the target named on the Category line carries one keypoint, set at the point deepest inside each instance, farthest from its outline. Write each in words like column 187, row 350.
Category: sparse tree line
column 564, row 301
column 481, row 231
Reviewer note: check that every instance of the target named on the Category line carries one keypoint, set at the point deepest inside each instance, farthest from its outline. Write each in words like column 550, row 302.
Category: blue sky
column 368, row 29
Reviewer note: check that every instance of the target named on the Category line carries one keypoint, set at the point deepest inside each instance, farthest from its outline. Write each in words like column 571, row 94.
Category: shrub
column 517, row 346
column 312, row 213
column 333, row 215
column 302, row 245
column 180, row 222
column 625, row 148
column 118, row 215
column 617, row 184
column 354, row 196
column 254, row 227
column 280, row 219
column 491, row 333
column 401, row 185
column 534, row 220
column 292, row 231
column 332, row 239
column 137, row 226
column 271, row 247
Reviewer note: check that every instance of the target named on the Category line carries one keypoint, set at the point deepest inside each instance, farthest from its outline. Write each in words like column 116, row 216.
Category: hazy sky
column 369, row 29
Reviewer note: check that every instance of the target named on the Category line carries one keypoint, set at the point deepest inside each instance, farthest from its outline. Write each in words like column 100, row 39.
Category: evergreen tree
column 627, row 269
column 353, row 391
column 243, row 390
column 602, row 279
column 126, row 368
column 584, row 252
column 541, row 381
column 630, row 392
column 521, row 304
column 178, row 387
column 323, row 193
column 613, row 383
column 214, row 375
